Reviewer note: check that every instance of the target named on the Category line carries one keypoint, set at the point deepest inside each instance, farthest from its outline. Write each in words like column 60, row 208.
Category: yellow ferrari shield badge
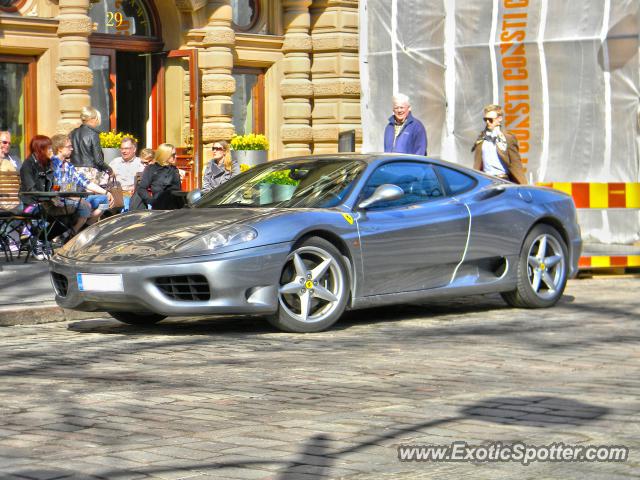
column 348, row 218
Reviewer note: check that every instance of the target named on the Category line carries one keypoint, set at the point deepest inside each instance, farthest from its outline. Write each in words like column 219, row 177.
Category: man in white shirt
column 126, row 167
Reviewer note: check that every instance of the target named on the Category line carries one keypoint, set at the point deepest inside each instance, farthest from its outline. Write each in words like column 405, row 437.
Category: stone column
column 296, row 87
column 216, row 62
column 335, row 73
column 73, row 75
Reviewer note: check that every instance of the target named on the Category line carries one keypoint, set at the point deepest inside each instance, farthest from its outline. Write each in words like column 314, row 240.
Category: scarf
column 496, row 137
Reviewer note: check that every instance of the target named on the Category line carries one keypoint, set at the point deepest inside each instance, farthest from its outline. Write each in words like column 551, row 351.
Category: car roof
column 374, row 158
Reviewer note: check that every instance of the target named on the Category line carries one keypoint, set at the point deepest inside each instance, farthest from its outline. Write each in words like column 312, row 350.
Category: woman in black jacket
column 36, row 174
column 87, row 154
column 160, row 179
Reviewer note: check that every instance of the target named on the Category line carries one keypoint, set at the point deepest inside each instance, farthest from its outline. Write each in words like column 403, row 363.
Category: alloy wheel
column 545, row 266
column 312, row 285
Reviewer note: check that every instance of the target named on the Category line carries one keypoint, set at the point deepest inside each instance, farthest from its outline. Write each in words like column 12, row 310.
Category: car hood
column 156, row 234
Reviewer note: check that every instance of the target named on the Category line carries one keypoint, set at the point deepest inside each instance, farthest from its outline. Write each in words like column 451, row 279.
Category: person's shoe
column 39, row 252
column 64, row 237
column 68, row 235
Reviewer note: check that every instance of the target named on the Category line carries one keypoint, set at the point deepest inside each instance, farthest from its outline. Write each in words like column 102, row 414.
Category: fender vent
column 186, row 288
column 60, row 284
column 490, row 192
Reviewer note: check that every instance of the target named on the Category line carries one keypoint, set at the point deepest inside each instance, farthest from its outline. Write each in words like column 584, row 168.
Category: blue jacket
column 411, row 139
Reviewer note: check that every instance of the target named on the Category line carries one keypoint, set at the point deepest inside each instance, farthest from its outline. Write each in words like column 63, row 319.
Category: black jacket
column 161, row 181
column 87, row 151
column 34, row 179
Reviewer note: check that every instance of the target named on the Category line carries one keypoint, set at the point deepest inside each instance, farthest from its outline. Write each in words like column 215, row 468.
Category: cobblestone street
column 233, row 399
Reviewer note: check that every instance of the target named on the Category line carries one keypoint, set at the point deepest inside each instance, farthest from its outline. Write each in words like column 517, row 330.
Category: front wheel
column 313, row 290
column 542, row 270
column 137, row 318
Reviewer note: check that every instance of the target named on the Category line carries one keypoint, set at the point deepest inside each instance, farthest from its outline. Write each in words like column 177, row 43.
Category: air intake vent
column 187, row 288
column 60, row 283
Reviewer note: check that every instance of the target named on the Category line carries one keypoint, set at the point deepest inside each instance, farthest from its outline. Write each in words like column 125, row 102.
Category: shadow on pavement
column 316, row 456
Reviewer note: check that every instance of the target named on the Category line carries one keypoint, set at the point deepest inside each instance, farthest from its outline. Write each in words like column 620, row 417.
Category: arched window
column 123, row 17
column 10, row 5
column 245, row 14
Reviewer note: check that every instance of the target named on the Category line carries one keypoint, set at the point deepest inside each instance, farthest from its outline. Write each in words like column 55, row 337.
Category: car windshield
column 310, row 183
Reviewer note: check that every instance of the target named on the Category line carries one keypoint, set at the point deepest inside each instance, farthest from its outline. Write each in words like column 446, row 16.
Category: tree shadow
column 316, row 456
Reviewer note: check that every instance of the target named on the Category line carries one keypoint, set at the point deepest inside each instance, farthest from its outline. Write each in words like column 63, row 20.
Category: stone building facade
column 185, row 71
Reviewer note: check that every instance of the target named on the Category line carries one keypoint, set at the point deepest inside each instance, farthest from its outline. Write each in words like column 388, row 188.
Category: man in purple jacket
column 404, row 133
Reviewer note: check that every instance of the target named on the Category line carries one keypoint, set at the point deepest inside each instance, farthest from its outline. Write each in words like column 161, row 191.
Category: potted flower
column 277, row 187
column 250, row 149
column 110, row 143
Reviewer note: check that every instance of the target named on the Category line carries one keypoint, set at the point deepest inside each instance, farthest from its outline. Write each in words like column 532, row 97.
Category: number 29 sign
column 117, row 21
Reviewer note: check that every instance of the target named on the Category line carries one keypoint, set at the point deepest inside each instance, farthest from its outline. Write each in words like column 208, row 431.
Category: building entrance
column 132, row 87
column 140, row 87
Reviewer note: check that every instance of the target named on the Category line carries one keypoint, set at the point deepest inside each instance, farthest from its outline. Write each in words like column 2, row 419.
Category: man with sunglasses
column 7, row 162
column 496, row 151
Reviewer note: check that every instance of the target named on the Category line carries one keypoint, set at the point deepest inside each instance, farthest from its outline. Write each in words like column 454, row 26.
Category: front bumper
column 241, row 282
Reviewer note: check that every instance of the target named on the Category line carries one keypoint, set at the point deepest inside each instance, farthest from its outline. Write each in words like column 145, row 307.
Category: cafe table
column 44, row 224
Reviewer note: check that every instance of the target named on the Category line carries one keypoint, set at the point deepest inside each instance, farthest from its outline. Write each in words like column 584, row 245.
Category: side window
column 418, row 181
column 457, row 181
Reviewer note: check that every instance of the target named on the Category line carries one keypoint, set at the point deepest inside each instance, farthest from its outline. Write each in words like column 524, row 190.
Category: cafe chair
column 15, row 234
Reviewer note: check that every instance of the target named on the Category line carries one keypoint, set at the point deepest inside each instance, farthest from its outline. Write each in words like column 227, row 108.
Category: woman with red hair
column 36, row 174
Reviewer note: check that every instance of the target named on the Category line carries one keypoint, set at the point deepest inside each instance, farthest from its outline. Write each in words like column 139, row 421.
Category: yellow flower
column 113, row 139
column 250, row 141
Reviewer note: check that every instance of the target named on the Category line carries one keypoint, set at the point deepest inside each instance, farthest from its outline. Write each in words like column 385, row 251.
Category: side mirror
column 194, row 197
column 386, row 192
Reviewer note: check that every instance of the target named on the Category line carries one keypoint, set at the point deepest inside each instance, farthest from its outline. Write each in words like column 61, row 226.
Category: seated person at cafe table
column 126, row 167
column 160, row 180
column 37, row 175
column 70, row 179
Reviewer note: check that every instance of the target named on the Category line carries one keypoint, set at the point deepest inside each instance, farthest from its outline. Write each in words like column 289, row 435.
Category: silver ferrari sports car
column 301, row 240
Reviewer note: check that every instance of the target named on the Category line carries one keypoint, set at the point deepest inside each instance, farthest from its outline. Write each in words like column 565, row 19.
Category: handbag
column 115, row 189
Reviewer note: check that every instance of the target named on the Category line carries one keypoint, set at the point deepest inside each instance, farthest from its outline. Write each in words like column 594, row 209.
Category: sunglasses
column 4, row 142
column 487, row 119
column 217, row 149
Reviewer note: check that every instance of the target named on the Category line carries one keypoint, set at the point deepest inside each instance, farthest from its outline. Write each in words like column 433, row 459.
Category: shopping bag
column 115, row 189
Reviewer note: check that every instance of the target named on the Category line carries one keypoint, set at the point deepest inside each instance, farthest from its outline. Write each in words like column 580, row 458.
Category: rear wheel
column 542, row 270
column 137, row 318
column 313, row 289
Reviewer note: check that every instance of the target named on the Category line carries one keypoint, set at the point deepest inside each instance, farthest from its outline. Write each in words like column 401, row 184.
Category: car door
column 415, row 242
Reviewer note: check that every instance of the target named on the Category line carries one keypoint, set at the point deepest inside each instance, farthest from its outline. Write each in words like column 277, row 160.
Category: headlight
column 225, row 237
column 80, row 240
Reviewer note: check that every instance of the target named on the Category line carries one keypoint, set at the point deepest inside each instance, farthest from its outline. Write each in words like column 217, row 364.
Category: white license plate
column 88, row 282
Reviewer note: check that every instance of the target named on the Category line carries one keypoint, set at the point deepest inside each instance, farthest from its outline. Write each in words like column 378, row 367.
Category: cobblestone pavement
column 232, row 399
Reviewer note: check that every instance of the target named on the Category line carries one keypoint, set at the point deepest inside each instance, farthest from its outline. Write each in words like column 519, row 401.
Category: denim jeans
column 96, row 200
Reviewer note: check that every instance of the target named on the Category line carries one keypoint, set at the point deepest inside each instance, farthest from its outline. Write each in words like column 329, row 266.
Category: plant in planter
column 280, row 178
column 250, row 149
column 277, row 186
column 110, row 143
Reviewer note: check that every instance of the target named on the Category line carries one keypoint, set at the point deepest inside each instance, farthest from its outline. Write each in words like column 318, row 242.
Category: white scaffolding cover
column 567, row 74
